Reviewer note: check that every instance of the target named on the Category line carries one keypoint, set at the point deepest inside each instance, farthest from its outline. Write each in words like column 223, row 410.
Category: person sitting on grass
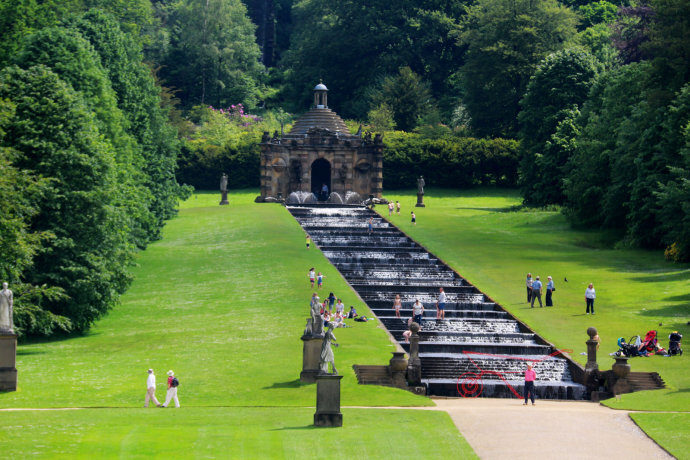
column 352, row 313
column 340, row 307
column 326, row 318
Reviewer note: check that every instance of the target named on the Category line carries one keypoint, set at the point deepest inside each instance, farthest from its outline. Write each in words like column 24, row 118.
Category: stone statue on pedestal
column 316, row 319
column 6, row 309
column 420, row 193
column 224, row 189
column 327, row 352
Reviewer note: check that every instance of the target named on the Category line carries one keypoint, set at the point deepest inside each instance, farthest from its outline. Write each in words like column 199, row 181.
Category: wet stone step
column 414, row 289
column 374, row 250
column 494, row 369
column 388, row 304
column 426, row 299
column 467, row 337
column 454, row 325
column 498, row 389
column 488, row 347
column 390, row 284
column 430, row 315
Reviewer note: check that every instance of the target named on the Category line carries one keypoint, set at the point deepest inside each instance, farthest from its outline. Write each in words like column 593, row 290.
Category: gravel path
column 505, row 429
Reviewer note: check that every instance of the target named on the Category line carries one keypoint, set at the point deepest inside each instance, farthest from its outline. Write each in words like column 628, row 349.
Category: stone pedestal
column 311, row 357
column 224, row 198
column 8, row 359
column 414, row 364
column 398, row 367
column 328, row 400
column 420, row 201
column 591, row 379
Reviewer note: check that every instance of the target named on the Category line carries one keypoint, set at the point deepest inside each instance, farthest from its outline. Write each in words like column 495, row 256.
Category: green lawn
column 666, row 429
column 222, row 300
column 229, row 433
column 487, row 240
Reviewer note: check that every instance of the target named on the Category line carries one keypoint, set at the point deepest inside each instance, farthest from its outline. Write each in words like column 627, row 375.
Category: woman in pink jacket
column 530, row 376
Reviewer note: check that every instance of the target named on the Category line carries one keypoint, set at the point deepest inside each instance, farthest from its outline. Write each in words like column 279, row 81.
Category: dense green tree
column 19, row 18
column 602, row 169
column 407, row 96
column 139, row 98
column 506, row 40
column 214, row 58
column 597, row 40
column 56, row 137
column 561, row 81
column 599, row 12
column 673, row 196
column 69, row 55
column 351, row 44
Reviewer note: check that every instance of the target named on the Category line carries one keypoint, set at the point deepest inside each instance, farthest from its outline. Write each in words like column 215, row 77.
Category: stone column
column 8, row 360
column 592, row 350
column 591, row 379
column 311, row 357
column 328, row 400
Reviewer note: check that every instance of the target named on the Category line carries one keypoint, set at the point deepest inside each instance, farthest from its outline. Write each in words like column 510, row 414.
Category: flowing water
column 478, row 350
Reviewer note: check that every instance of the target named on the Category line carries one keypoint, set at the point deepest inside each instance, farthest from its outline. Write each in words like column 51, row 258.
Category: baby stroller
column 650, row 344
column 674, row 347
column 629, row 349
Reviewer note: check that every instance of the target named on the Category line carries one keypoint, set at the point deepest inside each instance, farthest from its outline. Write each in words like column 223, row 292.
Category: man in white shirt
column 151, row 389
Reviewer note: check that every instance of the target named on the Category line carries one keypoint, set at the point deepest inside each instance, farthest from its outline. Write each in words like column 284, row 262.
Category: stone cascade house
column 320, row 150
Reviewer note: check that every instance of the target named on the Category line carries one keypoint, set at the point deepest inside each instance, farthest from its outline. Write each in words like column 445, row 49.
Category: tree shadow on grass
column 291, row 384
column 670, row 311
column 515, row 208
column 670, row 275
column 21, row 352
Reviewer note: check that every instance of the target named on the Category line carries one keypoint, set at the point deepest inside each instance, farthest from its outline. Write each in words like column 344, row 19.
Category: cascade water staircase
column 478, row 350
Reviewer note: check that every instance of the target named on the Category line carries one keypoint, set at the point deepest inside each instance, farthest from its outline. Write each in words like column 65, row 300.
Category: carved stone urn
column 621, row 368
column 398, row 362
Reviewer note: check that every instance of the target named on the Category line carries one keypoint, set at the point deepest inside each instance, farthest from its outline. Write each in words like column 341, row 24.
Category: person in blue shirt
column 536, row 292
column 549, row 292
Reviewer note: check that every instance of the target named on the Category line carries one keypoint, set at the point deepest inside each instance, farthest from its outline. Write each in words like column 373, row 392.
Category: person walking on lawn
column 173, row 383
column 151, row 390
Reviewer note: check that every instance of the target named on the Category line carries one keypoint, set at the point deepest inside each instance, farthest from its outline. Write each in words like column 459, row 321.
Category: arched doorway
column 320, row 174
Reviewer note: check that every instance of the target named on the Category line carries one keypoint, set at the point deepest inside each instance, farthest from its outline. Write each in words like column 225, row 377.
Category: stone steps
column 476, row 331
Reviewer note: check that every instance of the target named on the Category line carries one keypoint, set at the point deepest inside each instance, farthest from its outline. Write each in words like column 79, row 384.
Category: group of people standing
column 535, row 289
column 392, row 207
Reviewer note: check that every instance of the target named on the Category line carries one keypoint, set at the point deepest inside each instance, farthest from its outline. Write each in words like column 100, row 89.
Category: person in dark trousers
column 590, row 295
column 528, row 282
column 549, row 292
column 530, row 377
column 536, row 292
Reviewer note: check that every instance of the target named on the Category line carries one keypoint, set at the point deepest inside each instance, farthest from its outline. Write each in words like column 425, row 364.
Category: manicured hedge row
column 201, row 165
column 455, row 162
column 448, row 162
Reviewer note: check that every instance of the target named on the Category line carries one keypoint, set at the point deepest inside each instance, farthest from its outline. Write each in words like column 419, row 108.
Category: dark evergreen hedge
column 457, row 162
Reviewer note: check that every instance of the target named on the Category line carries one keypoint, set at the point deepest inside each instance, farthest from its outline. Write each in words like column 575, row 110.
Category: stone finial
column 592, row 331
column 414, row 327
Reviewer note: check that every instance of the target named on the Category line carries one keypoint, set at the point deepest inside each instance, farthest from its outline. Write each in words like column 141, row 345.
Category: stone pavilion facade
column 320, row 150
